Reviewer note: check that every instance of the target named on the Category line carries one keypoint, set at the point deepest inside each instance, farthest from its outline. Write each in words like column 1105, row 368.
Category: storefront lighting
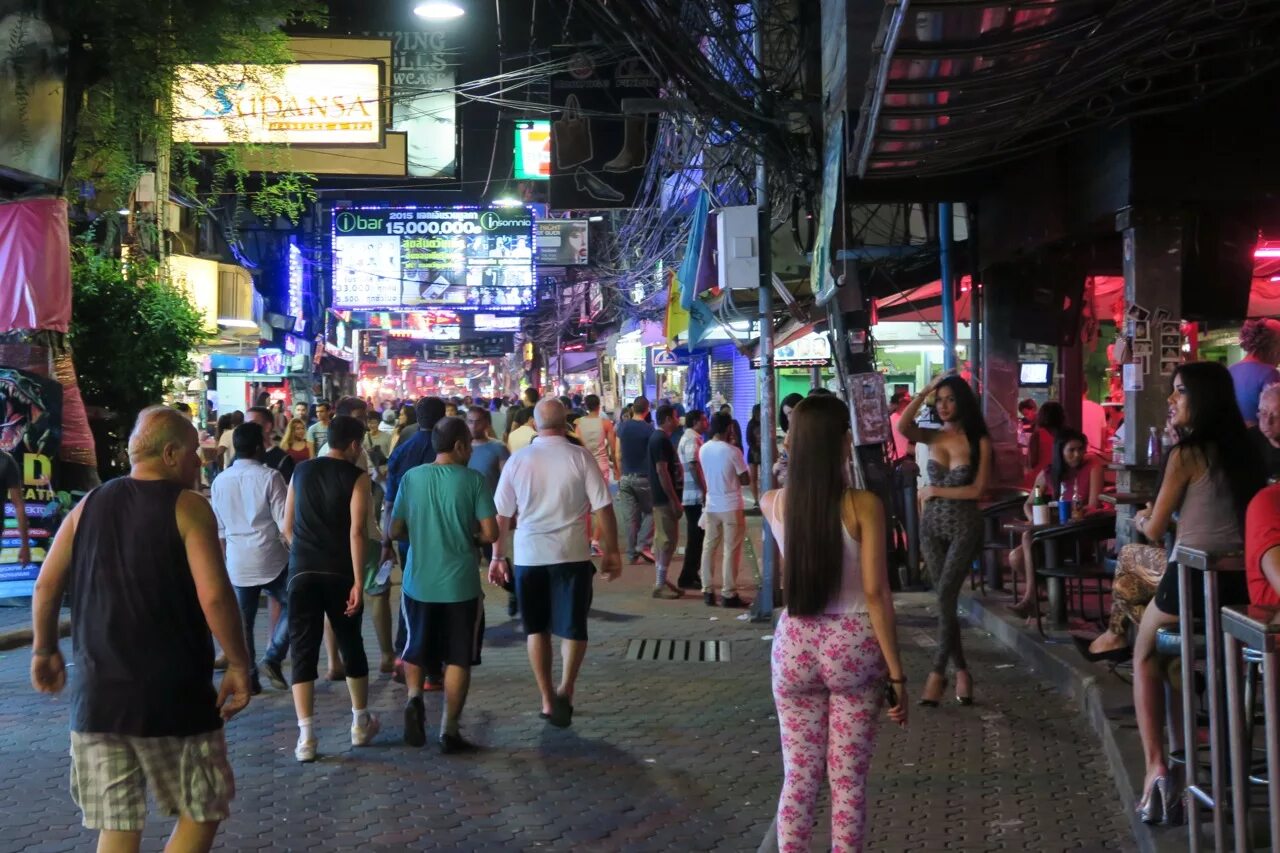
column 1267, row 253
column 595, row 218
column 439, row 10
column 124, row 211
column 235, row 323
column 507, row 202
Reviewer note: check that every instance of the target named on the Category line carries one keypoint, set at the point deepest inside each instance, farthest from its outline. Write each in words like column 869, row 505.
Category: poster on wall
column 32, row 435
column 603, row 131
column 463, row 259
column 563, row 242
column 422, row 100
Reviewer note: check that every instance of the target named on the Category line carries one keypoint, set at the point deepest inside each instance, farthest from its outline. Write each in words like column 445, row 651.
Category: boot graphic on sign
column 571, row 134
column 585, row 182
column 635, row 148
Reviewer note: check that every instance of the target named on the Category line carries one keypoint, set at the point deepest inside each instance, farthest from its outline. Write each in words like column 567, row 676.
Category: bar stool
column 1258, row 630
column 1211, row 566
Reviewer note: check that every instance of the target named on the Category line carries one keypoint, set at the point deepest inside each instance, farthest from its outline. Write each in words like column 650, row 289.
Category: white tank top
column 591, row 433
column 850, row 598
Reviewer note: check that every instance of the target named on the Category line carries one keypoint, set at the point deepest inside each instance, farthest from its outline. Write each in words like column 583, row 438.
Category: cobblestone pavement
column 662, row 756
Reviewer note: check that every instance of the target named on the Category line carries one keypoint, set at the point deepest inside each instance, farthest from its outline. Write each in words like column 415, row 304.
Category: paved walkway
column 662, row 756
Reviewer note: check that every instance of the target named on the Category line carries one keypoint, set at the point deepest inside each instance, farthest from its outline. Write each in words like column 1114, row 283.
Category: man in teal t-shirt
column 446, row 511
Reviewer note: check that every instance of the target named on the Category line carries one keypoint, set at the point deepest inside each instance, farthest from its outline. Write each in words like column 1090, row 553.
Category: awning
column 924, row 304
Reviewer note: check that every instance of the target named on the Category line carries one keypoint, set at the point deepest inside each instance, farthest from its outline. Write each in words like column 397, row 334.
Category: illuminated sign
column 563, row 242
column 457, row 258
column 533, row 150
column 494, row 323
column 307, row 103
column 295, row 287
column 270, row 361
column 434, row 325
column 811, row 350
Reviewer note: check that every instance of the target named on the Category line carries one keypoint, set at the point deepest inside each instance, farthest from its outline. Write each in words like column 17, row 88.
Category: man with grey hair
column 141, row 557
column 1266, row 435
column 551, row 485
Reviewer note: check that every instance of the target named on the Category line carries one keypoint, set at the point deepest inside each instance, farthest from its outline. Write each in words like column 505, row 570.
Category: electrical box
column 738, row 247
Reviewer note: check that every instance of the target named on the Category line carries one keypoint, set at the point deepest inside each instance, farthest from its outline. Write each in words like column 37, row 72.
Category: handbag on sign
column 571, row 135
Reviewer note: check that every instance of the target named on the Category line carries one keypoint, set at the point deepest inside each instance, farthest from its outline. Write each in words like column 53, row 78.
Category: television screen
column 1035, row 373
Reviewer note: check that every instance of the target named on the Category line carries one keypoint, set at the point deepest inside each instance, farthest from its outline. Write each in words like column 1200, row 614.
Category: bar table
column 1257, row 628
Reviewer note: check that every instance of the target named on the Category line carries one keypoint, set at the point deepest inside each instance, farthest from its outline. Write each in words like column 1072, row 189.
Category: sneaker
column 415, row 722
column 305, row 751
column 513, row 605
column 274, row 674
column 454, row 744
column 666, row 592
column 734, row 601
column 709, row 599
column 255, row 686
column 647, row 555
column 364, row 735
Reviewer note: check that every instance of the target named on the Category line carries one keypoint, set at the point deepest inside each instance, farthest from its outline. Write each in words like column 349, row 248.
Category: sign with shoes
column 603, row 130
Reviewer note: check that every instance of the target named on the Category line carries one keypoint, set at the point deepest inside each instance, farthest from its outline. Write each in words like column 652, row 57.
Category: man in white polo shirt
column 725, row 472
column 551, row 485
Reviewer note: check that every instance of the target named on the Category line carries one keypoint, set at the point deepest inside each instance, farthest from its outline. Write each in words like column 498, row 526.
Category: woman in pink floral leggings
column 835, row 650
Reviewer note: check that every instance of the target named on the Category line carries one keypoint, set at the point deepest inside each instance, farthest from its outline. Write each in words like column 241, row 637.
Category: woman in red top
column 1050, row 420
column 1080, row 474
column 295, row 441
column 1262, row 547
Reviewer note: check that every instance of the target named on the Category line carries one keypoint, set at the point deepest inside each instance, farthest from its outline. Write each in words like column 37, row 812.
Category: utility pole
column 762, row 609
column 948, row 287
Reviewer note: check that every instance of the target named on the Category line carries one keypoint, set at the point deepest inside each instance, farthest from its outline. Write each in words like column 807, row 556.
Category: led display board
column 307, row 103
column 533, row 150
column 412, row 258
column 494, row 323
column 563, row 242
column 433, row 325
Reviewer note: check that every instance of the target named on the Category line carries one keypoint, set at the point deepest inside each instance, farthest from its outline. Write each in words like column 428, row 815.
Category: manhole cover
column 682, row 651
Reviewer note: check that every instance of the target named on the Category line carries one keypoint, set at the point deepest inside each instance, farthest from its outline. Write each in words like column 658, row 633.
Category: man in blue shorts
column 551, row 485
column 445, row 510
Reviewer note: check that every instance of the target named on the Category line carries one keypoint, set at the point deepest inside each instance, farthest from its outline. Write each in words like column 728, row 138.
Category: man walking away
column 438, row 509
column 318, row 432
column 695, row 423
column 326, row 524
column 725, row 473
column 551, row 484
column 635, row 499
column 488, row 456
column 273, row 457
column 664, row 473
column 249, row 500
column 147, row 585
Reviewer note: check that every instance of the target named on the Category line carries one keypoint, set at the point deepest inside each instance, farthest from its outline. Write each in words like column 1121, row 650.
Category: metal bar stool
column 1212, row 795
column 1257, row 629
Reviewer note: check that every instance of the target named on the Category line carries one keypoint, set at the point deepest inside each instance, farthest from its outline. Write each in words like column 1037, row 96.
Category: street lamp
column 439, row 10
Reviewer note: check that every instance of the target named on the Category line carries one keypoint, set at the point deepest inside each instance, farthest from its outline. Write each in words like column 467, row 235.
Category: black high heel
column 933, row 703
column 964, row 700
column 1117, row 655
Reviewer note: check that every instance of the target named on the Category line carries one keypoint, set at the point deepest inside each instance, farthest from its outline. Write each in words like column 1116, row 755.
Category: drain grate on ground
column 681, row 651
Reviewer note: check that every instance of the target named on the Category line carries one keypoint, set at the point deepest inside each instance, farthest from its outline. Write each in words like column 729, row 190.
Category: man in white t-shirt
column 551, row 484
column 724, row 472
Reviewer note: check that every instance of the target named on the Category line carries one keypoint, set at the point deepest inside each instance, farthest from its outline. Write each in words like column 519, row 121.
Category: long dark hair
column 791, row 400
column 1051, row 416
column 1058, row 467
column 814, row 546
column 1217, row 433
column 969, row 414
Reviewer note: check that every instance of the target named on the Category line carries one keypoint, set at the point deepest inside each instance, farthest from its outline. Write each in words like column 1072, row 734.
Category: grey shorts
column 188, row 776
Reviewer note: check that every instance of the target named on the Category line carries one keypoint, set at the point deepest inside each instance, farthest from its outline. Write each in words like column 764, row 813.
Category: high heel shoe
column 1159, row 806
column 964, row 700
column 933, row 703
column 1118, row 655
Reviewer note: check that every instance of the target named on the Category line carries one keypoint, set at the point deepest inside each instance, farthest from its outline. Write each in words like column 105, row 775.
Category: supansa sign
column 309, row 103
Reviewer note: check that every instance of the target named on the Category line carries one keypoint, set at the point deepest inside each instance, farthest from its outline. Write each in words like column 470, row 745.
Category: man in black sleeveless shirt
column 326, row 524
column 147, row 583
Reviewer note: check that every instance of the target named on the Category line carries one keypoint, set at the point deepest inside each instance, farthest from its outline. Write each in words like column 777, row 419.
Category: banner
column 602, row 136
column 35, row 265
column 564, row 242
column 32, row 434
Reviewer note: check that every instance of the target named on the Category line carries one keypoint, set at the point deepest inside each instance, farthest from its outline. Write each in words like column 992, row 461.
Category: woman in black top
column 753, row 452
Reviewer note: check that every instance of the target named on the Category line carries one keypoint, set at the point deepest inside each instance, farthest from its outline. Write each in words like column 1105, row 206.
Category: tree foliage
column 132, row 330
column 122, row 61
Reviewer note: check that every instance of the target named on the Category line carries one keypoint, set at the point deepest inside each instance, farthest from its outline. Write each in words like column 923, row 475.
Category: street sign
column 666, row 358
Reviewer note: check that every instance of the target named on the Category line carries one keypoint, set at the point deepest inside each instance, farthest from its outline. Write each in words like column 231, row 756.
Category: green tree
column 132, row 331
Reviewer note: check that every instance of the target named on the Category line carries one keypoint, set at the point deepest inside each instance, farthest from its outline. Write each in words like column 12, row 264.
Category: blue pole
column 948, row 287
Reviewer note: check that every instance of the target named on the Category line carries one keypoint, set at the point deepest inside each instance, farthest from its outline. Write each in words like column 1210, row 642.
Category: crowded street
column 653, row 425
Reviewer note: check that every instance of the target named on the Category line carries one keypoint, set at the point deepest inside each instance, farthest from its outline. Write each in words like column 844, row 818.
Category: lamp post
column 439, row 10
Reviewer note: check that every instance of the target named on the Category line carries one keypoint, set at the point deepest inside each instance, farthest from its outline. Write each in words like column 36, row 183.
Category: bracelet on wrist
column 902, row 680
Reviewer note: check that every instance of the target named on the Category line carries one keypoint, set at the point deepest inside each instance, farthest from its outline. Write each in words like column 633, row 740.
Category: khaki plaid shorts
column 188, row 776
